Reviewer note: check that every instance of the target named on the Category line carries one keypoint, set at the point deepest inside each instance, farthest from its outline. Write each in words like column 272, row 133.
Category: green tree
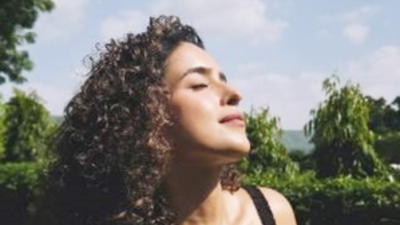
column 340, row 133
column 378, row 109
column 384, row 117
column 385, row 123
column 27, row 125
column 394, row 116
column 17, row 17
column 268, row 154
column 388, row 147
column 2, row 127
column 303, row 160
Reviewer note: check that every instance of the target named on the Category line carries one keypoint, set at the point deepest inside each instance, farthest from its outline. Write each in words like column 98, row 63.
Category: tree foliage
column 342, row 200
column 2, row 126
column 339, row 130
column 17, row 17
column 303, row 160
column 27, row 125
column 384, row 117
column 19, row 188
column 385, row 123
column 388, row 147
column 268, row 154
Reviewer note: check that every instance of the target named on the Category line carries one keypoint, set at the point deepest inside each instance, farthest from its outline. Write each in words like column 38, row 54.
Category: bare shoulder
column 280, row 207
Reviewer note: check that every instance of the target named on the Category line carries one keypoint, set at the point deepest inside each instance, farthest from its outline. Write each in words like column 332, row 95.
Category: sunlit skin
column 201, row 98
column 209, row 132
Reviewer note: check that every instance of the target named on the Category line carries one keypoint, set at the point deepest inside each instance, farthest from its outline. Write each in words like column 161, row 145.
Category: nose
column 231, row 96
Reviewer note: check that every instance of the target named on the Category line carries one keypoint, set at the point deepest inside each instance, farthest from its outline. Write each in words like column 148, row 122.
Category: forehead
column 187, row 56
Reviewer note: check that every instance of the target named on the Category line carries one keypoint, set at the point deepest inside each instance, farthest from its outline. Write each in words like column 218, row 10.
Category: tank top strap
column 261, row 204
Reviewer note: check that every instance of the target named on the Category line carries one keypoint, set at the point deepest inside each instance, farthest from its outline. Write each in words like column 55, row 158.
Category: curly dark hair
column 112, row 149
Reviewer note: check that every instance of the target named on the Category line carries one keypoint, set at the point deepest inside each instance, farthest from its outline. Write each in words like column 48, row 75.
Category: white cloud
column 378, row 72
column 356, row 33
column 126, row 21
column 355, row 28
column 361, row 14
column 230, row 18
column 289, row 97
column 66, row 18
column 224, row 18
column 292, row 96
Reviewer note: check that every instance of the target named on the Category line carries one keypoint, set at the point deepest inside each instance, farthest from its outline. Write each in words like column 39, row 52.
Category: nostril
column 234, row 100
column 231, row 96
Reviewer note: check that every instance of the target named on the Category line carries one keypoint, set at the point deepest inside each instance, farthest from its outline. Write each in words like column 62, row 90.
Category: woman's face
column 210, row 128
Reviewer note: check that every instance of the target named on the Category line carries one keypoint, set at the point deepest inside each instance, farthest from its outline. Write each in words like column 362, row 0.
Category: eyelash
column 199, row 86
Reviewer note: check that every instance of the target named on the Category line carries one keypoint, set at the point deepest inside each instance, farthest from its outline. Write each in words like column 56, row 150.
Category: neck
column 196, row 194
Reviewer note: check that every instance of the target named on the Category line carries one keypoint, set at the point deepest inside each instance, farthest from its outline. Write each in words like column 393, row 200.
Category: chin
column 215, row 150
column 240, row 145
column 234, row 153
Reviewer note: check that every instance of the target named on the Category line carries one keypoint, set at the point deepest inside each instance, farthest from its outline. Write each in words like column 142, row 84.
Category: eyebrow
column 203, row 71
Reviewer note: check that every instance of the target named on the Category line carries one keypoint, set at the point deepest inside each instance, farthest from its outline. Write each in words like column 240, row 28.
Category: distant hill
column 296, row 140
column 292, row 139
column 57, row 119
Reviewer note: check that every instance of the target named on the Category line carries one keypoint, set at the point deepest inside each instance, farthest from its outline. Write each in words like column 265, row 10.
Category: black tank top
column 261, row 204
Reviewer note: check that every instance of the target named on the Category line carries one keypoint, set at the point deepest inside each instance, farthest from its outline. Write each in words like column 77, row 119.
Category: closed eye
column 199, row 86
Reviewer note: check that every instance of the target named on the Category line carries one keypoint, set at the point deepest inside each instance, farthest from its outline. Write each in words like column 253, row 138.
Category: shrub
column 268, row 154
column 339, row 129
column 19, row 187
column 27, row 124
column 342, row 200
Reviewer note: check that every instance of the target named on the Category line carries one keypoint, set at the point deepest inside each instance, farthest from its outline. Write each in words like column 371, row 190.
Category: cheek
column 198, row 133
column 196, row 118
column 194, row 109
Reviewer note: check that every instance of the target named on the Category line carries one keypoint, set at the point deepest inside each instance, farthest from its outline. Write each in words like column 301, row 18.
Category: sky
column 275, row 52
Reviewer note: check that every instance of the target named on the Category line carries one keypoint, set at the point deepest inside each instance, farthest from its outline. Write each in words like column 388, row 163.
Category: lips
column 235, row 118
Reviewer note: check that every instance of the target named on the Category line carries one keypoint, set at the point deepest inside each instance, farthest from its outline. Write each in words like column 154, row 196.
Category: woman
column 151, row 137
